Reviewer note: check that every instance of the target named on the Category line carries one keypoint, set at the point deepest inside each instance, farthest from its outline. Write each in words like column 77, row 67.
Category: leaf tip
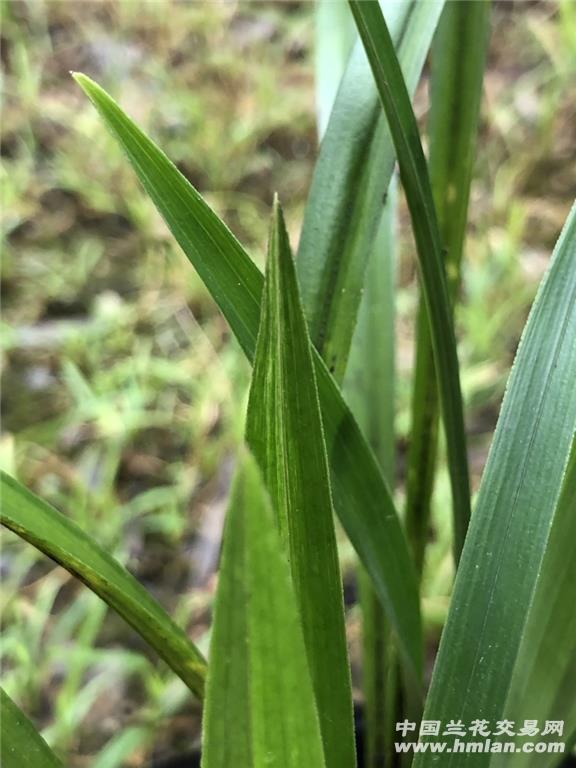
column 78, row 76
column 89, row 86
column 278, row 222
column 277, row 215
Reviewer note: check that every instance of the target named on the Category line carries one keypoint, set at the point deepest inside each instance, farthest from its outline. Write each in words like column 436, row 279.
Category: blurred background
column 123, row 392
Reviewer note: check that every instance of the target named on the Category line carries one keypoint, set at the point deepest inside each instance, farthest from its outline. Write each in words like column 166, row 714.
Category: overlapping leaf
column 361, row 497
column 369, row 385
column 260, row 710
column 335, row 34
column 350, row 181
column 544, row 678
column 284, row 431
column 369, row 388
column 58, row 537
column 414, row 175
column 514, row 586
column 458, row 58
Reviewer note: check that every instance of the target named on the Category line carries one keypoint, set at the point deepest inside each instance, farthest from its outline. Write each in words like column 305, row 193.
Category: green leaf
column 457, row 73
column 544, row 678
column 334, row 37
column 369, row 385
column 520, row 532
column 21, row 746
column 284, row 432
column 350, row 181
column 369, row 388
column 414, row 176
column 123, row 746
column 458, row 59
column 260, row 710
column 230, row 275
column 361, row 497
column 58, row 537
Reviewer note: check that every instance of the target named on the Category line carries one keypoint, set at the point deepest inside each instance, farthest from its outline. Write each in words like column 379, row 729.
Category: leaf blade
column 260, row 708
column 458, row 59
column 21, row 746
column 369, row 388
column 414, row 176
column 52, row 533
column 334, row 36
column 544, row 678
column 517, row 507
column 284, row 431
column 350, row 181
column 361, row 497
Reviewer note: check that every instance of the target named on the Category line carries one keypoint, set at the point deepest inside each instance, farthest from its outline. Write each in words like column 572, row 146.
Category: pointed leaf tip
column 284, row 430
column 278, row 221
column 81, row 79
column 361, row 498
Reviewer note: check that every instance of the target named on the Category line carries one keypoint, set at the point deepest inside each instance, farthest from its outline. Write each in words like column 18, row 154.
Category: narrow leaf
column 361, row 497
column 350, row 181
column 369, row 385
column 334, row 37
column 518, row 525
column 369, row 388
column 458, row 59
column 414, row 176
column 284, row 431
column 58, row 537
column 544, row 678
column 260, row 710
column 123, row 746
column 457, row 73
column 21, row 746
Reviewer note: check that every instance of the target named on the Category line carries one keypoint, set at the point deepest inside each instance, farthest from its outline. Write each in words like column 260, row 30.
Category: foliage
column 278, row 675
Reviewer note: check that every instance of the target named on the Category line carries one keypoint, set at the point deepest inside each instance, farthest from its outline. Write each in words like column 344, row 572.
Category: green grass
column 120, row 402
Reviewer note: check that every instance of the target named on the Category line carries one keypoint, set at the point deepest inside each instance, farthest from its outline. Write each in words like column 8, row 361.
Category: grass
column 117, row 396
